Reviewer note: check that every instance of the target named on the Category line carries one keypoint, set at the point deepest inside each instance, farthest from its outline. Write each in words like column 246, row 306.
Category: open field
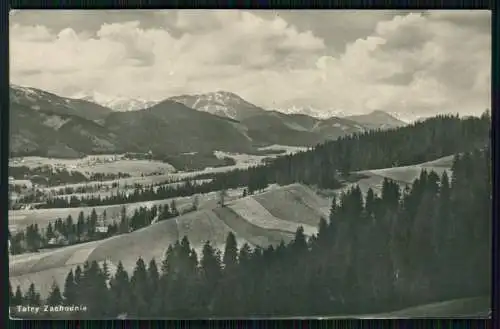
column 108, row 191
column 151, row 242
column 106, row 164
column 19, row 219
column 287, row 149
column 403, row 175
column 141, row 170
column 253, row 212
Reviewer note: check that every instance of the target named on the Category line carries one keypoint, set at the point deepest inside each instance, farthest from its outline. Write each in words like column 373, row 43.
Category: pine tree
column 105, row 271
column 49, row 234
column 139, row 286
column 153, row 278
column 55, row 297
column 79, row 286
column 231, row 251
column 124, row 225
column 80, row 225
column 18, row 297
column 210, row 266
column 228, row 292
column 69, row 228
column 70, row 293
column 32, row 298
column 120, row 291
column 299, row 242
column 93, row 223
column 173, row 209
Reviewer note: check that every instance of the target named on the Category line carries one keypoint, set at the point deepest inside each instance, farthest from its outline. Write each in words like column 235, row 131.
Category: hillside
column 39, row 100
column 51, row 134
column 248, row 218
column 172, row 128
column 377, row 120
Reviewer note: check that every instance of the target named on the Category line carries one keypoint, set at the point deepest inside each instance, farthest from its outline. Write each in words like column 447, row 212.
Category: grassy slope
column 152, row 241
column 475, row 307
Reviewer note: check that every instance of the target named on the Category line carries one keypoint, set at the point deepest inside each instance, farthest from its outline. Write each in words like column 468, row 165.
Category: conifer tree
column 49, row 233
column 105, row 271
column 55, row 297
column 173, row 209
column 124, row 225
column 70, row 293
column 139, row 288
column 231, row 251
column 69, row 227
column 18, row 297
column 153, row 278
column 120, row 291
column 32, row 297
column 93, row 223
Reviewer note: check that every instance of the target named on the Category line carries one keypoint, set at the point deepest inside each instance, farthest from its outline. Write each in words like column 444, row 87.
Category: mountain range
column 45, row 124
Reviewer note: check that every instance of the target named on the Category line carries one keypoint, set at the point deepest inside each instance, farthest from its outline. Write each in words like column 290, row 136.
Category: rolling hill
column 248, row 218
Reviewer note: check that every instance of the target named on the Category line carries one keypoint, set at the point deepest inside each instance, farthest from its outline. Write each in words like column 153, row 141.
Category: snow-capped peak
column 116, row 103
column 311, row 111
column 221, row 103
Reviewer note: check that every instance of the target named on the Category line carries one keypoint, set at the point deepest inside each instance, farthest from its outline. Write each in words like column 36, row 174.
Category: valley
column 249, row 164
column 185, row 174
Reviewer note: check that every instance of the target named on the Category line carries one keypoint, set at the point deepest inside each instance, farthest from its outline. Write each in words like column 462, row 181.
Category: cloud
column 426, row 62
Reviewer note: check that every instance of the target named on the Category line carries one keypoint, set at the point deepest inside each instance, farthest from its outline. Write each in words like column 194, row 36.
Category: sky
column 411, row 63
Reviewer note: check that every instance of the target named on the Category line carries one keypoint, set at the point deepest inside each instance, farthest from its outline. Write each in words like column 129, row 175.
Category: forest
column 87, row 228
column 425, row 243
column 327, row 164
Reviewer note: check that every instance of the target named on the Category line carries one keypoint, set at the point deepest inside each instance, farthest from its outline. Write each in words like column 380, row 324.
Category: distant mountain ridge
column 225, row 104
column 40, row 100
column 120, row 104
column 45, row 124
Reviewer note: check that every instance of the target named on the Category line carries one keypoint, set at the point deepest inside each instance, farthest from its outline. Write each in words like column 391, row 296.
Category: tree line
column 86, row 228
column 425, row 243
column 49, row 176
column 139, row 194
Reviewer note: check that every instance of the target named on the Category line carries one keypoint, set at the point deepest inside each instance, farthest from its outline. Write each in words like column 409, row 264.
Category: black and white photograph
column 245, row 164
